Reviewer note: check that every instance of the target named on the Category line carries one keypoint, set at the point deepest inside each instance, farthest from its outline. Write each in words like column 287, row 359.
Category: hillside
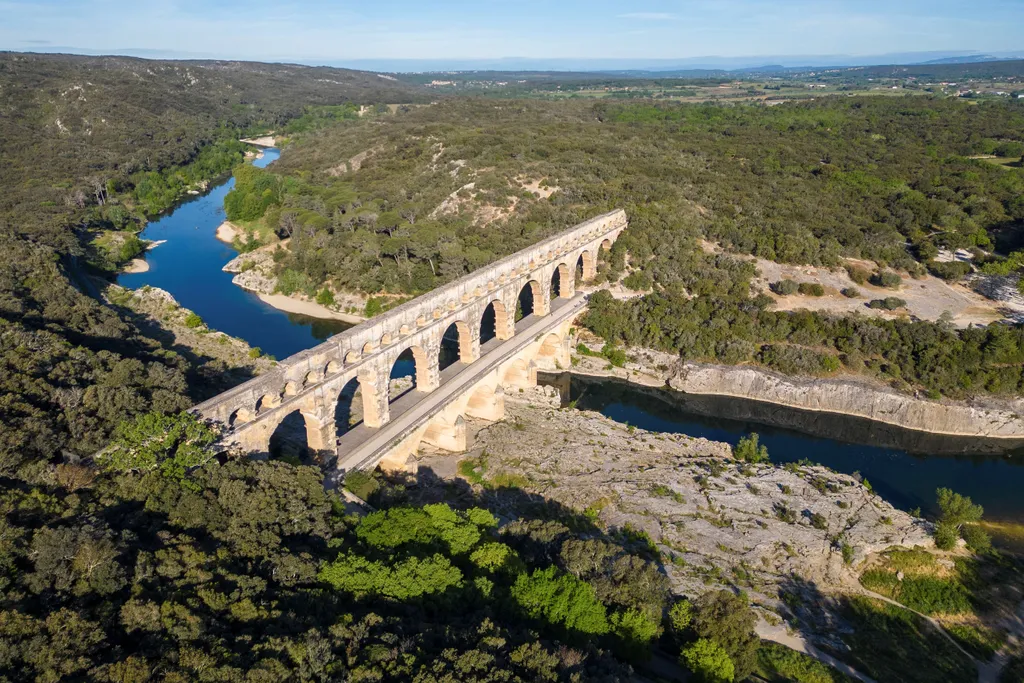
column 881, row 187
column 92, row 144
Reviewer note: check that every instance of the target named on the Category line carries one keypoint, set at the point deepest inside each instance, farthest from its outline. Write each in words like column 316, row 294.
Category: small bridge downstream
column 463, row 341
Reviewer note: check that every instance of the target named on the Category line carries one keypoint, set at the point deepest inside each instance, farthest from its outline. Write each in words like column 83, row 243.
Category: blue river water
column 188, row 265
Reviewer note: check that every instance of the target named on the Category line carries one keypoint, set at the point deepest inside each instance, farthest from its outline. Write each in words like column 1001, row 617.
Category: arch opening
column 561, row 285
column 290, row 442
column 455, row 345
column 348, row 412
column 240, row 417
column 493, row 321
column 529, row 300
column 408, row 373
column 550, row 347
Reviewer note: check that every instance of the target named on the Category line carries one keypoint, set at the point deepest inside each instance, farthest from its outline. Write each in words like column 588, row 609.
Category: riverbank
column 850, row 396
column 136, row 265
column 291, row 304
column 227, row 232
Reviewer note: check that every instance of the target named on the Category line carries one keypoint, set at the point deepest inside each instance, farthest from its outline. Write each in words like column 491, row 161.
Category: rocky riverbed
column 716, row 521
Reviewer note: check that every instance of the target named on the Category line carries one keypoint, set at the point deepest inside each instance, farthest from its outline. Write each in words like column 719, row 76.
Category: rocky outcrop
column 716, row 521
column 849, row 396
column 853, row 397
column 253, row 271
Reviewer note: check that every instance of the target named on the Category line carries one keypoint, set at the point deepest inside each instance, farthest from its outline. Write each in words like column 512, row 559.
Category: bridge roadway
column 363, row 447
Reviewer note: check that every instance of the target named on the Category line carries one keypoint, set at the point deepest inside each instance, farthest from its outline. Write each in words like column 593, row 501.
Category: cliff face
column 852, row 397
column 989, row 418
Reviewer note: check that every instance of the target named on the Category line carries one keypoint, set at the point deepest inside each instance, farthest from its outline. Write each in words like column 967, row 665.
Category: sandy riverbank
column 227, row 232
column 264, row 141
column 315, row 310
column 136, row 265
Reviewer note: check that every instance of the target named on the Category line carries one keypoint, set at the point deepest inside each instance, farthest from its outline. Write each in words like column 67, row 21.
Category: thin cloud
column 648, row 16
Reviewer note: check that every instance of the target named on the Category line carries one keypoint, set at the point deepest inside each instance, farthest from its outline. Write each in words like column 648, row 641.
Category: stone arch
column 487, row 403
column 551, row 347
column 350, row 410
column 606, row 245
column 267, row 401
column 456, row 345
column 291, row 388
column 368, row 348
column 352, row 357
column 493, row 322
column 333, row 368
column 519, row 374
column 312, row 377
column 562, row 282
column 420, row 371
column 290, row 438
column 529, row 300
column 385, row 339
column 240, row 416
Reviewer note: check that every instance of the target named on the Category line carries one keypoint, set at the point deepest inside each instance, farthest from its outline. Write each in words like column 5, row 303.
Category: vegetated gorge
column 614, row 527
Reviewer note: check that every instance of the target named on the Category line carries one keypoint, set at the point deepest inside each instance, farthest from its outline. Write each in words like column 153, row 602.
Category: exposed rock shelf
column 989, row 418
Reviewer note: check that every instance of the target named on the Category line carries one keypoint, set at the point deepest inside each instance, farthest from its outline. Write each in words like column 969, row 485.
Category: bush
column 950, row 271
column 325, row 297
column 857, row 274
column 255, row 352
column 887, row 278
column 785, row 287
column 374, row 306
column 977, row 538
column 362, row 484
column 747, row 449
column 889, row 303
column 811, row 289
column 638, row 281
column 192, row 321
column 708, row 661
column 561, row 600
column 851, row 292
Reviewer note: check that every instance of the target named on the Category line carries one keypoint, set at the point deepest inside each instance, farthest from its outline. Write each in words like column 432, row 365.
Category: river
column 901, row 465
column 189, row 263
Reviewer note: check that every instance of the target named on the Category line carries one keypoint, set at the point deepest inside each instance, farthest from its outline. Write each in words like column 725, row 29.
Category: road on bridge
column 363, row 446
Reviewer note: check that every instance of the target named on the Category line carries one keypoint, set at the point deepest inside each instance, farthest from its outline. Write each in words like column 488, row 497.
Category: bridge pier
column 447, row 436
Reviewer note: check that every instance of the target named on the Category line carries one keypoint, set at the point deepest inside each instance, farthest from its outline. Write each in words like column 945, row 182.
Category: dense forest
column 442, row 190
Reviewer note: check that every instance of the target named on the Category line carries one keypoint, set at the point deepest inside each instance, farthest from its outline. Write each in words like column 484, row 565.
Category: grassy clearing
column 891, row 644
column 958, row 596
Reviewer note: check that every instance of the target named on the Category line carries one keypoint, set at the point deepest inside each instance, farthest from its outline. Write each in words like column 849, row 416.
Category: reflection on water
column 904, row 466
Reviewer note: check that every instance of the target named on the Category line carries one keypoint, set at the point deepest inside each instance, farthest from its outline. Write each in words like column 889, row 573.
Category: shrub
column 949, row 270
column 889, row 303
column 325, row 297
column 561, row 600
column 192, row 321
column 747, row 449
column 255, row 352
column 818, row 521
column 374, row 306
column 946, row 536
column 977, row 538
column 851, row 292
column 362, row 484
column 857, row 274
column 785, row 287
column 886, row 278
column 811, row 289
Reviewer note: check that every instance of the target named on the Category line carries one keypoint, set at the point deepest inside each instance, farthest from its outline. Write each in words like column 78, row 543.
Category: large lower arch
column 290, row 439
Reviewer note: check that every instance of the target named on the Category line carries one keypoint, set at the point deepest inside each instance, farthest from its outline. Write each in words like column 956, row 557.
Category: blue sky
column 336, row 32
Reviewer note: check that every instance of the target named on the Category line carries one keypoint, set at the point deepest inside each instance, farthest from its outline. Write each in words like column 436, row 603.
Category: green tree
column 561, row 600
column 708, row 661
column 958, row 517
column 747, row 449
column 727, row 620
column 172, row 444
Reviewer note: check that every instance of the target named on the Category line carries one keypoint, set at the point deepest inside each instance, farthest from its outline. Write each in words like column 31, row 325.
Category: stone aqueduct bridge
column 494, row 352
